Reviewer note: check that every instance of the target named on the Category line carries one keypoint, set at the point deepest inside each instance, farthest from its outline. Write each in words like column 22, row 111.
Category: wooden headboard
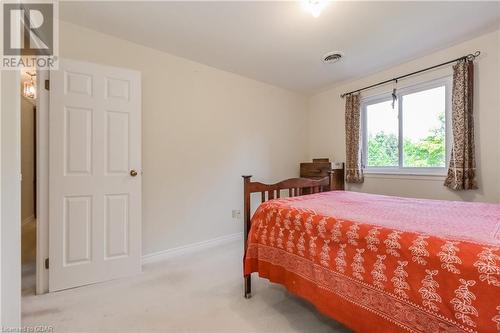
column 294, row 186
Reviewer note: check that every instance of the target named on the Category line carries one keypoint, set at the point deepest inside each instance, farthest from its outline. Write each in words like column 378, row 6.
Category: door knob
column 133, row 173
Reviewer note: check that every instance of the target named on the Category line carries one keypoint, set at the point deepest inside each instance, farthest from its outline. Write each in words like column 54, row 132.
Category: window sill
column 404, row 175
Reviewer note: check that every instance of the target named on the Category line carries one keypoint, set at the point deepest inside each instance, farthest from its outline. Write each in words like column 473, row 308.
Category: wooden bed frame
column 294, row 187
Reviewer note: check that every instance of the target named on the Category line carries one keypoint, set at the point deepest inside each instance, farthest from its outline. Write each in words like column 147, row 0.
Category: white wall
column 202, row 129
column 10, row 201
column 327, row 133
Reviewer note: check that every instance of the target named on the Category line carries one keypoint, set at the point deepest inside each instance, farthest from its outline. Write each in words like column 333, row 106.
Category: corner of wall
column 10, row 226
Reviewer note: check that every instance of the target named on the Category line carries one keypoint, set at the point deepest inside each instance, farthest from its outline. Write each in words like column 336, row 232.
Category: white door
column 95, row 174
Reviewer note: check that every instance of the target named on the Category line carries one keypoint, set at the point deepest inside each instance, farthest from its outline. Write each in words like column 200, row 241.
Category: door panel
column 117, row 139
column 77, row 83
column 117, row 89
column 116, row 225
column 77, row 236
column 78, row 140
column 94, row 202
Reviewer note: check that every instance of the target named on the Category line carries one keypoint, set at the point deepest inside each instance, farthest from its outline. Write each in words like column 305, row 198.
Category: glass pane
column 424, row 128
column 382, row 134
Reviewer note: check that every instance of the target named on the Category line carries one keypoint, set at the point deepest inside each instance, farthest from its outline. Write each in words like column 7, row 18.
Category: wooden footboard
column 292, row 187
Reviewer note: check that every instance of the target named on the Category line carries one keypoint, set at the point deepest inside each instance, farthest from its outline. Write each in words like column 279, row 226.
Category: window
column 410, row 136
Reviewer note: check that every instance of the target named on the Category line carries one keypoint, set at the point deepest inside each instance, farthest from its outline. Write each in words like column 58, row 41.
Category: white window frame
column 400, row 169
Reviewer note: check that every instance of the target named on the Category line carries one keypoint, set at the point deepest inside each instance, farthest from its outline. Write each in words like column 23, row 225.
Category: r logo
column 28, row 29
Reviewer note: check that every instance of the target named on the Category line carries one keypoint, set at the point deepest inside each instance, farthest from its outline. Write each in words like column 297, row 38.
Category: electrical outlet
column 236, row 214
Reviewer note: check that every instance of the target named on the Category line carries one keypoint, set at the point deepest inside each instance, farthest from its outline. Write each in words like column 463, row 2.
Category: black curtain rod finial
column 471, row 57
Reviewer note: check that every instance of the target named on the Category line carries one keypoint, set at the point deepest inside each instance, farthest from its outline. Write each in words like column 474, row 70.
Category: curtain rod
column 470, row 56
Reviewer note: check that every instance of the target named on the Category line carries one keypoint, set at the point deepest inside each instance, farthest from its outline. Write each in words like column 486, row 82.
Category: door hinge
column 46, row 263
column 47, row 84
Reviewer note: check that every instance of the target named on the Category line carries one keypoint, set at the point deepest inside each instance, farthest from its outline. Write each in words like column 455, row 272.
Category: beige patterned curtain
column 354, row 170
column 462, row 169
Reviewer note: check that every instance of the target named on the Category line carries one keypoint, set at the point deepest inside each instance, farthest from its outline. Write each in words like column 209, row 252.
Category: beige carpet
column 28, row 257
column 199, row 292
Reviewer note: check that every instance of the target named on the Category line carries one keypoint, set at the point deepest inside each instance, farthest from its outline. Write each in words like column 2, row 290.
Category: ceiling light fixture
column 314, row 6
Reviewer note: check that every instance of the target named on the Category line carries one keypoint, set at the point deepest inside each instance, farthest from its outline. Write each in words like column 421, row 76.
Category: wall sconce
column 29, row 88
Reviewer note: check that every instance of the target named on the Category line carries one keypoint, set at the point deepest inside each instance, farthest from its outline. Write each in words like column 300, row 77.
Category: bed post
column 331, row 184
column 246, row 216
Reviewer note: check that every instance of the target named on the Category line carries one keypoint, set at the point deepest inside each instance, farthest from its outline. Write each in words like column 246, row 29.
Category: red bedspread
column 384, row 264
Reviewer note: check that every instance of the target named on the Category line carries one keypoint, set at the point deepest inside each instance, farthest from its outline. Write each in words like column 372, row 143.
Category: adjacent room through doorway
column 28, row 182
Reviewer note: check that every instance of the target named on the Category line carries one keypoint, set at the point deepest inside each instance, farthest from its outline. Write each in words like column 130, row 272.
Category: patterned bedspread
column 384, row 264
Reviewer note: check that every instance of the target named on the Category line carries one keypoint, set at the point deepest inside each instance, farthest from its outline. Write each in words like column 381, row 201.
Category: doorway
column 122, row 87
column 88, row 219
column 28, row 181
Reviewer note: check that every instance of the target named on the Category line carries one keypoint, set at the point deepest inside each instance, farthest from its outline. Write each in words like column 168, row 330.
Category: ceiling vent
column 332, row 57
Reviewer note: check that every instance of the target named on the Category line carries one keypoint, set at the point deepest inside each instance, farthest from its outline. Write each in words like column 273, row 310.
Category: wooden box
column 315, row 170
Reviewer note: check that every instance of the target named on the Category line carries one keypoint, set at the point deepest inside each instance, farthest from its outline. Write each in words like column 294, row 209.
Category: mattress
column 384, row 264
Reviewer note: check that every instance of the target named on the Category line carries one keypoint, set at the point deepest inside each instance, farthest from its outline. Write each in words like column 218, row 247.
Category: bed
column 378, row 263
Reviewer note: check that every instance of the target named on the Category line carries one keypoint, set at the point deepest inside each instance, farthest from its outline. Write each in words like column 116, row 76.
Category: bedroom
column 221, row 90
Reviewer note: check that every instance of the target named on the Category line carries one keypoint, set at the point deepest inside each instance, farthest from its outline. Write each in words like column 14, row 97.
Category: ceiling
column 280, row 43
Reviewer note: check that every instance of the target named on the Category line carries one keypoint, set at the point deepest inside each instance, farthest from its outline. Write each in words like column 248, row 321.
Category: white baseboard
column 28, row 220
column 190, row 248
